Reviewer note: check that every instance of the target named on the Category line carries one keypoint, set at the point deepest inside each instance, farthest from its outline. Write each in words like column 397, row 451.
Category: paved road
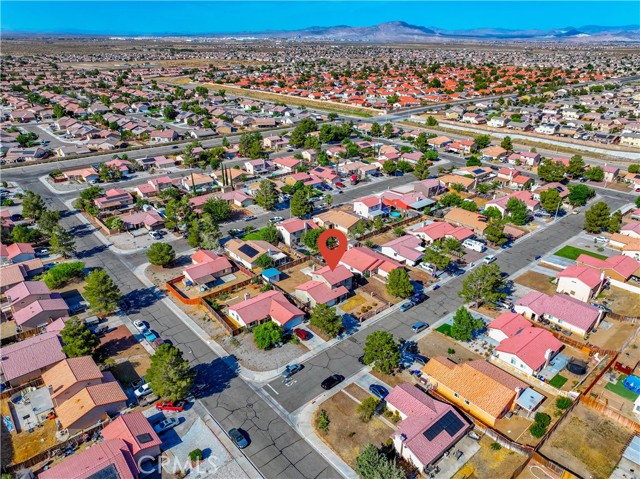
column 276, row 449
column 342, row 358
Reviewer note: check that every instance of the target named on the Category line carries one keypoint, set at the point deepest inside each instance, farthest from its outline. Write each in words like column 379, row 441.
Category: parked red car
column 340, row 185
column 301, row 333
column 171, row 406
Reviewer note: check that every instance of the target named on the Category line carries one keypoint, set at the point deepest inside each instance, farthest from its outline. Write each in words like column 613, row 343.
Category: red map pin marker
column 332, row 255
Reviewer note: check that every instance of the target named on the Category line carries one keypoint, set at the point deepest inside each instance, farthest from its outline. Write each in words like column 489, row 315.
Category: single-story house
column 271, row 305
column 293, row 229
column 26, row 360
column 405, row 249
column 136, row 431
column 314, row 292
column 248, row 252
column 207, row 267
column 365, row 261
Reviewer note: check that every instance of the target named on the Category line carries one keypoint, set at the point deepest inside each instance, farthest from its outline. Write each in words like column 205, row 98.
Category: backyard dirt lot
column 621, row 301
column 293, row 277
column 437, row 344
column 131, row 359
column 347, row 433
column 578, row 443
column 537, row 281
column 488, row 463
column 615, row 336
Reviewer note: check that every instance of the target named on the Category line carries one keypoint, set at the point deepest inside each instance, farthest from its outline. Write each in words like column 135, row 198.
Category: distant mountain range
column 402, row 32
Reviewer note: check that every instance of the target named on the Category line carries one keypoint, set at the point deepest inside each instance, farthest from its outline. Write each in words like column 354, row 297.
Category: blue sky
column 200, row 17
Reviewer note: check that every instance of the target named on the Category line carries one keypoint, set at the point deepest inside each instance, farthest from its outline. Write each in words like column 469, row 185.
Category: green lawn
column 558, row 381
column 256, row 235
column 571, row 252
column 444, row 329
column 619, row 389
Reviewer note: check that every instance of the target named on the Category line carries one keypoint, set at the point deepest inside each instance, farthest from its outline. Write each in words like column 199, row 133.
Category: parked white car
column 474, row 245
column 489, row 259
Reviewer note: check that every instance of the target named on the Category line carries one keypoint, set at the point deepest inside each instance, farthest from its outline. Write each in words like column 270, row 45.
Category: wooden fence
column 626, row 319
column 19, row 336
column 179, row 295
column 7, row 393
column 405, row 222
column 228, row 327
column 604, row 409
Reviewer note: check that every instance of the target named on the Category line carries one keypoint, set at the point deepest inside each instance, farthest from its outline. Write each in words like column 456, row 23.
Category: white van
column 474, row 245
column 429, row 268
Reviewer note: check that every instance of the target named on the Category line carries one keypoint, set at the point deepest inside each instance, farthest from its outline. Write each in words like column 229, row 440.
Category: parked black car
column 331, row 381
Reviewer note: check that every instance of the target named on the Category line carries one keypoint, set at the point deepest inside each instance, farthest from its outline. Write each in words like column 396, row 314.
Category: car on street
column 139, row 325
column 340, row 185
column 249, row 218
column 48, row 266
column 418, row 298
column 276, row 219
column 238, row 438
column 331, row 381
column 42, row 252
column 155, row 235
column 378, row 391
column 143, row 390
column 420, row 326
column 601, row 239
column 177, row 406
column 302, row 334
column 156, row 343
column 291, row 369
column 420, row 359
column 236, row 232
column 166, row 425
column 505, row 303
column 489, row 259
column 150, row 335
column 406, row 306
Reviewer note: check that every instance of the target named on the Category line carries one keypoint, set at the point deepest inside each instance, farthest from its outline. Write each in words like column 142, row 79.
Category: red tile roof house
column 27, row 360
column 529, row 349
column 113, row 199
column 163, row 136
column 567, row 312
column 370, row 207
column 25, row 293
column 39, row 313
column 111, row 458
column 441, row 229
column 13, row 274
column 562, row 190
column 287, row 164
column 19, row 252
column 619, row 268
column 292, row 230
column 405, row 249
column 340, row 276
column 631, row 229
column 524, row 158
column 364, row 261
column 236, row 197
column 70, row 376
column 123, row 166
column 428, row 428
column 150, row 220
column 272, row 305
column 207, row 267
column 136, row 431
column 314, row 292
column 524, row 196
column 580, row 282
column 507, row 325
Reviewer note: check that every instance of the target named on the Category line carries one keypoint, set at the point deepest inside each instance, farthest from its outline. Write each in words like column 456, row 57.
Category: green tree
column 62, row 242
column 78, row 339
column 579, row 194
column 24, row 234
column 595, row 173
column 493, row 213
column 169, row 112
column 367, row 408
column 300, row 204
column 389, row 167
column 387, row 130
column 576, row 166
column 267, row 195
column 381, row 350
column 322, row 421
column 161, row 254
column 550, row 200
column 376, row 130
column 251, row 145
column 431, row 121
column 114, row 223
column 267, row 334
column 597, row 218
column 58, row 111
column 615, row 222
column 482, row 141
column 264, row 261
column 450, row 199
column 219, row 210
column 464, row 324
column 195, row 235
column 310, row 238
column 517, row 211
column 48, row 221
column 494, row 233
column 325, row 318
column 506, row 143
column 372, row 464
column 551, row 170
column 170, row 376
column 436, row 258
column 399, row 283
column 474, row 161
column 421, row 170
column 62, row 273
column 101, row 292
column 483, row 285
column 270, row 234
column 33, row 205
